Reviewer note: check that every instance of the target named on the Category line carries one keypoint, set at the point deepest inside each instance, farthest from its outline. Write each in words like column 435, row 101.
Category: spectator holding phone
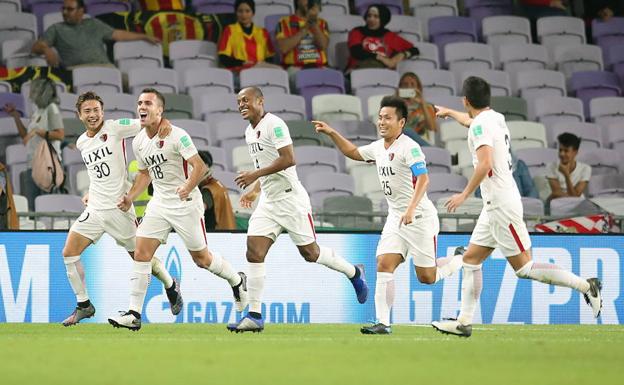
column 421, row 123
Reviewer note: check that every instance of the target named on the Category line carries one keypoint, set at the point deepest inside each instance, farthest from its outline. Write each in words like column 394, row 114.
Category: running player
column 412, row 225
column 284, row 204
column 177, row 204
column 103, row 150
column 501, row 221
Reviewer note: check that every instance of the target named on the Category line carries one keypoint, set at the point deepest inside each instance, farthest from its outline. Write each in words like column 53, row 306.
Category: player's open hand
column 124, row 203
column 164, row 128
column 322, row 127
column 247, row 199
column 85, row 199
column 454, row 202
column 183, row 192
column 245, row 179
column 443, row 112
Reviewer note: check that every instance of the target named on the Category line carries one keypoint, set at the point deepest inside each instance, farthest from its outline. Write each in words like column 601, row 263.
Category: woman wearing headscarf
column 373, row 46
column 46, row 122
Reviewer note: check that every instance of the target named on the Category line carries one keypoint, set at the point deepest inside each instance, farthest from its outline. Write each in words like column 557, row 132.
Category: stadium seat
column 614, row 136
column 213, row 6
column 321, row 185
column 59, row 203
column 606, row 110
column 137, row 54
column 527, row 134
column 186, row 54
column 451, row 131
column 97, row 79
column 213, row 108
column 18, row 26
column 382, row 81
column 408, row 27
column 339, row 26
column 178, row 106
column 229, row 131
column 318, row 81
column 608, row 33
column 480, row 9
column 208, row 80
column 102, row 7
column 437, row 82
column 512, row 107
column 271, row 7
column 286, row 106
column 219, row 158
column 537, row 159
column 606, row 186
column 500, row 84
column 576, row 58
column 438, row 160
column 428, row 9
column 13, row 98
column 451, row 29
column 588, row 85
column 241, row 160
column 164, row 80
column 602, row 160
column 5, row 87
column 227, row 180
column 590, row 133
column 74, row 127
column 73, row 163
column 427, row 59
column 566, row 206
column 358, row 132
column 16, row 53
column 560, row 30
column 373, row 106
column 540, row 83
column 522, row 57
column 335, row 7
column 471, row 205
column 197, row 129
column 269, row 80
column 499, row 31
column 320, row 159
column 532, row 206
column 461, row 57
column 347, row 209
column 336, row 107
column 548, row 110
column 7, row 6
column 118, row 106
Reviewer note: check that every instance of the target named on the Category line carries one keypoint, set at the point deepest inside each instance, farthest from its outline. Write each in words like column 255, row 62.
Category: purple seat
column 286, row 106
column 537, row 159
column 553, row 109
column 438, row 160
column 606, row 186
column 615, row 60
column 213, row 6
column 41, row 9
column 16, row 99
column 360, row 132
column 614, row 136
column 270, row 24
column 590, row 133
column 318, row 81
column 602, row 160
column 479, row 9
column 587, row 85
column 605, row 111
column 608, row 33
column 101, row 7
column 442, row 185
column 451, row 29
column 395, row 6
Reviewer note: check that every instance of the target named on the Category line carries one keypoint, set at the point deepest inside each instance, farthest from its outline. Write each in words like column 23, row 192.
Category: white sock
column 553, row 275
column 384, row 297
column 448, row 266
column 327, row 257
column 255, row 286
column 76, row 276
column 159, row 271
column 222, row 268
column 472, row 283
column 138, row 285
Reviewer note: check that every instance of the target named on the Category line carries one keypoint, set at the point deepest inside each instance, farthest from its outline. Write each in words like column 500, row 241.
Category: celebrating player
column 284, row 204
column 177, row 204
column 103, row 150
column 412, row 225
column 500, row 223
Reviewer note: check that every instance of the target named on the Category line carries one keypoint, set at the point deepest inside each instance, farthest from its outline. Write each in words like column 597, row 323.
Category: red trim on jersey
column 414, row 179
column 185, row 166
column 435, row 246
column 203, row 227
column 490, row 173
column 312, row 225
column 516, row 237
column 123, row 149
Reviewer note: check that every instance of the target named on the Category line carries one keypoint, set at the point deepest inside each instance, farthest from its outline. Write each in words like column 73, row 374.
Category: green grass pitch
column 187, row 354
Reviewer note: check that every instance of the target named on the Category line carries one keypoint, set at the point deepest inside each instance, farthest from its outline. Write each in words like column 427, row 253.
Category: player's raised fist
column 124, row 203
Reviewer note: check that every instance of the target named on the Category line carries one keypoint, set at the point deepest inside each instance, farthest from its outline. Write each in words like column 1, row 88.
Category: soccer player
column 412, row 226
column 177, row 204
column 500, row 223
column 103, row 150
column 284, row 204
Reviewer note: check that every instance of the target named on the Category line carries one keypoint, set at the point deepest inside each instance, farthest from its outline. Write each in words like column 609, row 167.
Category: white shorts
column 502, row 227
column 118, row 224
column 293, row 214
column 188, row 222
column 418, row 239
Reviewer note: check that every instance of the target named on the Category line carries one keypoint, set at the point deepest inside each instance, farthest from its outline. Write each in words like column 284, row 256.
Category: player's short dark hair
column 398, row 104
column 477, row 92
column 89, row 95
column 256, row 90
column 250, row 3
column 569, row 140
column 154, row 91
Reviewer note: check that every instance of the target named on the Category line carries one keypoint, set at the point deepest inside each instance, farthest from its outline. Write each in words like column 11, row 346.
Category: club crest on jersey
column 258, row 134
column 391, row 156
column 160, row 144
column 103, row 137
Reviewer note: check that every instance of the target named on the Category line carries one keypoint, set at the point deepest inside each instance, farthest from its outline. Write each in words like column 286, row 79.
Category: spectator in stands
column 303, row 38
column 218, row 213
column 8, row 213
column 46, row 122
column 79, row 40
column 603, row 9
column 540, row 8
column 568, row 177
column 243, row 44
column 373, row 46
column 421, row 122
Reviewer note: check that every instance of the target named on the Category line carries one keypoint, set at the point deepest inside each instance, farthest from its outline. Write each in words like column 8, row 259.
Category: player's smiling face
column 388, row 123
column 91, row 114
column 250, row 106
column 149, row 109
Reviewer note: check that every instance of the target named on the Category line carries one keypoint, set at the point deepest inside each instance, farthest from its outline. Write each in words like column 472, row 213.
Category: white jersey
column 394, row 168
column 166, row 160
column 105, row 158
column 489, row 129
column 263, row 141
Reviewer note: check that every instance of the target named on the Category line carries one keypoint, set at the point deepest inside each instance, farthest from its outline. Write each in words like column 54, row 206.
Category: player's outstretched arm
column 344, row 145
column 199, row 170
column 461, row 117
column 484, row 165
column 141, row 182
